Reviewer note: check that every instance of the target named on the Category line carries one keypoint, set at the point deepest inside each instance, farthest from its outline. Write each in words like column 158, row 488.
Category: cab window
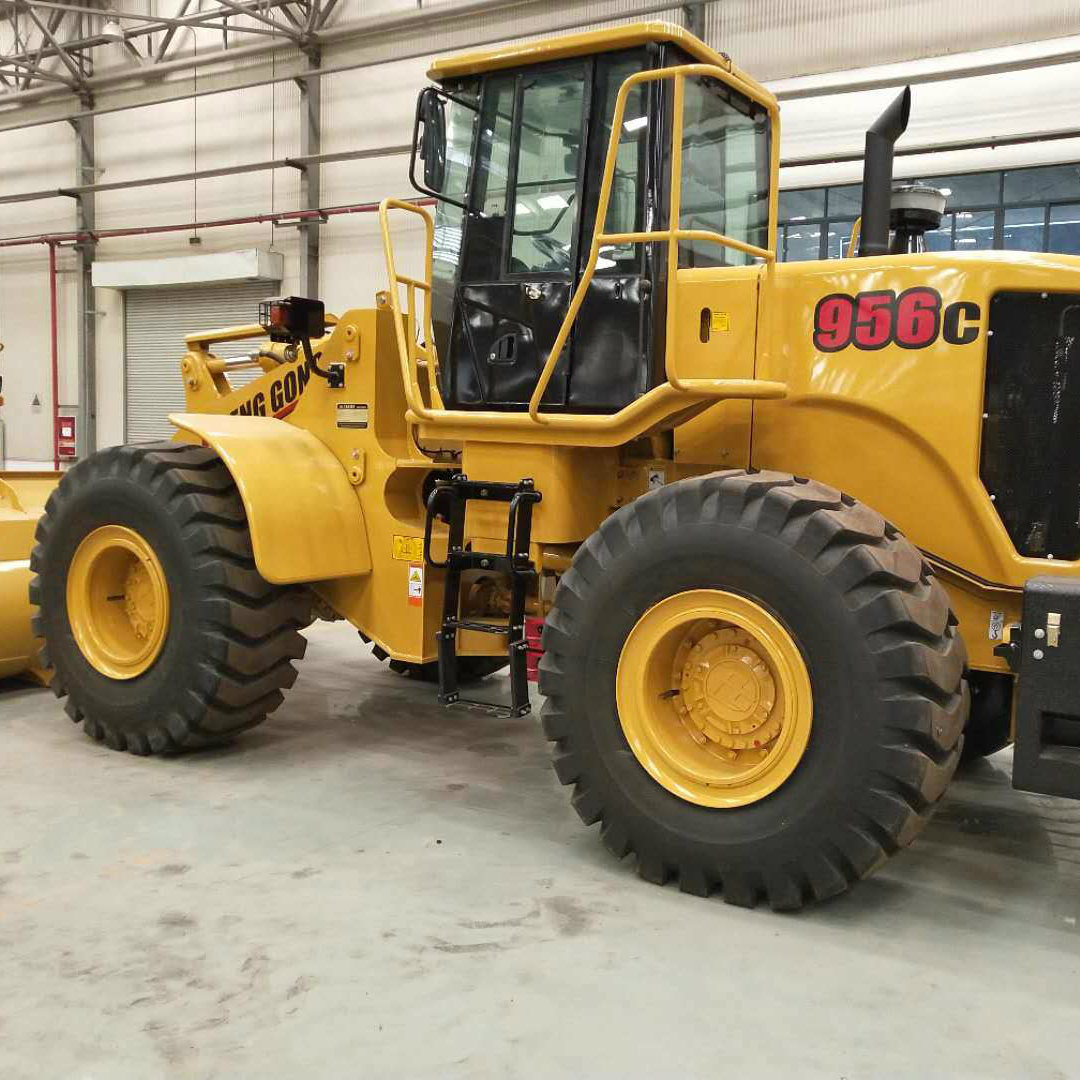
column 725, row 173
column 546, row 203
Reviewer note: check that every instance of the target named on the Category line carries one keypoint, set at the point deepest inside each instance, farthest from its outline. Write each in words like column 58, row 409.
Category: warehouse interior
column 370, row 883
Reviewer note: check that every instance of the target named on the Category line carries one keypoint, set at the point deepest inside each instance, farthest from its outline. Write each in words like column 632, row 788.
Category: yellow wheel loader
column 778, row 523
column 22, row 501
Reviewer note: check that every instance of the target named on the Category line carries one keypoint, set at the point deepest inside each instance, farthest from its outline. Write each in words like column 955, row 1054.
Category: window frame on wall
column 999, row 208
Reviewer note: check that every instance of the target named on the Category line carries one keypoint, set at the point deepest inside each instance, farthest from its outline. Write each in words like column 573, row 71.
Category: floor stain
column 520, row 920
column 172, row 869
column 177, row 920
column 165, row 1041
column 571, row 918
column 493, row 749
column 300, row 986
column 475, row 947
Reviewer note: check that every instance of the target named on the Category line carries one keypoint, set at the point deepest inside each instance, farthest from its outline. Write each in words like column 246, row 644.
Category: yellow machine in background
column 22, row 501
column 778, row 523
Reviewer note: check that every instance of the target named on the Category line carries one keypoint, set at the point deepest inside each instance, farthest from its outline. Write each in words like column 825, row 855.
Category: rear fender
column 305, row 519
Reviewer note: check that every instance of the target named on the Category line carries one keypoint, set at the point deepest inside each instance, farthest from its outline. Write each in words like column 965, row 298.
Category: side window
column 725, row 173
column 549, row 154
column 489, row 202
column 625, row 208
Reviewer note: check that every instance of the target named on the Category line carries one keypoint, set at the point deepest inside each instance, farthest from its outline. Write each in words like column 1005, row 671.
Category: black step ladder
column 449, row 501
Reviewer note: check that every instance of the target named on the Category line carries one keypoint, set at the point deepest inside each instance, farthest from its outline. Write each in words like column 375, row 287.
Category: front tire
column 879, row 644
column 162, row 634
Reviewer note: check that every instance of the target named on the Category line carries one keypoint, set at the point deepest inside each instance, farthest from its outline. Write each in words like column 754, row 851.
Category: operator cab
column 515, row 157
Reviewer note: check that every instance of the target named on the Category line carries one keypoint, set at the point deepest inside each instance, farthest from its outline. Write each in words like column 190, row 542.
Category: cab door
column 521, row 238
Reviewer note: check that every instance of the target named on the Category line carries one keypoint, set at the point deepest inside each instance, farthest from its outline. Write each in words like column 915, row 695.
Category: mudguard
column 305, row 519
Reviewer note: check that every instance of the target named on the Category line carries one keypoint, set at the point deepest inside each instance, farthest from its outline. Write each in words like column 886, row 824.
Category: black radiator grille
column 1030, row 459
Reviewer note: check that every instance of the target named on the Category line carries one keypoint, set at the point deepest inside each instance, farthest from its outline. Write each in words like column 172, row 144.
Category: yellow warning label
column 721, row 322
column 409, row 548
column 416, row 584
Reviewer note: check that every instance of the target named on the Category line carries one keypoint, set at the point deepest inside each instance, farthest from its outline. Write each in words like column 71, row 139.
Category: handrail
column 672, row 235
column 410, row 352
column 671, row 398
column 853, row 245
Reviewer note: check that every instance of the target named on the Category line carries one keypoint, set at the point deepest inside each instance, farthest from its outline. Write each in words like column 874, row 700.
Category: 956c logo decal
column 913, row 319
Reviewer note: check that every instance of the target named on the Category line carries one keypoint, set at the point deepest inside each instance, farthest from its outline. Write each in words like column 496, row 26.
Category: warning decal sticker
column 416, row 584
column 409, row 548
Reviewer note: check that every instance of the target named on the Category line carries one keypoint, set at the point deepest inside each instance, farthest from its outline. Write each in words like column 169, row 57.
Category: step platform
column 448, row 502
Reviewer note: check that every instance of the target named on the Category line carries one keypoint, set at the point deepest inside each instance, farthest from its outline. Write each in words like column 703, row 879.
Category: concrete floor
column 371, row 885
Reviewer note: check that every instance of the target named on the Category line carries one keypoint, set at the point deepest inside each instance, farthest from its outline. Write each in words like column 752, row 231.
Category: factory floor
column 372, row 886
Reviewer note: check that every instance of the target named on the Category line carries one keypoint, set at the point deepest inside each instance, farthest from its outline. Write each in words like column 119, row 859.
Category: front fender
column 305, row 520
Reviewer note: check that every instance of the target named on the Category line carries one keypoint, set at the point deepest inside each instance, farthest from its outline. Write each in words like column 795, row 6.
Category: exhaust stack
column 877, row 174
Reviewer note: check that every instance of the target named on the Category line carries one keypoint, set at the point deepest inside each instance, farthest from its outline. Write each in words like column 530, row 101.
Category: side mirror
column 430, row 144
column 432, row 111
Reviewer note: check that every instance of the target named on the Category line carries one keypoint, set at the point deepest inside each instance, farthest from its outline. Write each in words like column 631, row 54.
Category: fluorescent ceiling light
column 521, row 209
column 798, row 217
column 636, row 124
column 552, row 202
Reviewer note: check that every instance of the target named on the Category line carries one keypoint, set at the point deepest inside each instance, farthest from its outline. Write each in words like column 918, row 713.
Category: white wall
column 373, row 107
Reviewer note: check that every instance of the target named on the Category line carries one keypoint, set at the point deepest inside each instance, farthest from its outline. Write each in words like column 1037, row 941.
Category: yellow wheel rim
column 714, row 698
column 118, row 602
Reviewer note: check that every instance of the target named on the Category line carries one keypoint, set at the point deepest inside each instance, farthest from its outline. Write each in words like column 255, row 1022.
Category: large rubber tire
column 231, row 637
column 989, row 726
column 884, row 658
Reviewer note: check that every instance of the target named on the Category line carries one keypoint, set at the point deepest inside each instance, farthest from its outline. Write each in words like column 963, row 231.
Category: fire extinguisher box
column 65, row 437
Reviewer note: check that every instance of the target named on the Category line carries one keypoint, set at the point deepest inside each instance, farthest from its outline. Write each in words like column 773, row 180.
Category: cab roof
column 587, row 44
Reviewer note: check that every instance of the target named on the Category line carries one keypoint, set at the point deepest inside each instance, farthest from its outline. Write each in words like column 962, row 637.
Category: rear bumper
column 1046, row 756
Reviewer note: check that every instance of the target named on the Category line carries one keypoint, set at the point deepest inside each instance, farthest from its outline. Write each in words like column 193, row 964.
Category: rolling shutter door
column 155, row 324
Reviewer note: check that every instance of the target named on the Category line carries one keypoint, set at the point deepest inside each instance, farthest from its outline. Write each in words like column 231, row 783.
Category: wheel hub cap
column 714, row 698
column 117, row 602
column 727, row 692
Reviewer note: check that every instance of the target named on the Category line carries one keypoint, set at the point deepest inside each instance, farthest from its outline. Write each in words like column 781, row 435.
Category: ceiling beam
column 61, row 52
column 364, row 43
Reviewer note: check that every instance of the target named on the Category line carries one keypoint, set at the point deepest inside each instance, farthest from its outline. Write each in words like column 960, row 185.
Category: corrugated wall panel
column 774, row 39
column 155, row 323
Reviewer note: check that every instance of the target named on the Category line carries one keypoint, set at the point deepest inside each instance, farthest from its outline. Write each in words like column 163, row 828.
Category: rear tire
column 230, row 637
column 989, row 726
column 880, row 645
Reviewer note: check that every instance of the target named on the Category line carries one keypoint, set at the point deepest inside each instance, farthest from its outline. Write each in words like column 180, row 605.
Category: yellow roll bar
column 671, row 398
column 719, row 388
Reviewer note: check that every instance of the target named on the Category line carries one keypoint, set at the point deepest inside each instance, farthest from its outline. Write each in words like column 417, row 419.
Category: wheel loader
column 781, row 539
column 22, row 499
